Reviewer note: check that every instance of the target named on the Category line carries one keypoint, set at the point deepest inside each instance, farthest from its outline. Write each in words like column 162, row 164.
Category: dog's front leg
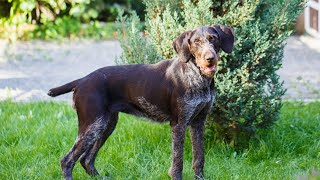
column 178, row 134
column 196, row 132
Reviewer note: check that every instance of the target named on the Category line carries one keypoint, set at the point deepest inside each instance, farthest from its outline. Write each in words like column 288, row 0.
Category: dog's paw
column 199, row 177
column 106, row 177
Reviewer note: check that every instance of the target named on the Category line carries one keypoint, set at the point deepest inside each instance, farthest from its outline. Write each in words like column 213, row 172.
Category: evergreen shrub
column 248, row 88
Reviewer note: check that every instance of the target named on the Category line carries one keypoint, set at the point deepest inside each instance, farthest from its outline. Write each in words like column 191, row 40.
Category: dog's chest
column 195, row 101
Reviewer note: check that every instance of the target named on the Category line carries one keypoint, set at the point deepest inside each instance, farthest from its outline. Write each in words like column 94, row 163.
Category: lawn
column 35, row 136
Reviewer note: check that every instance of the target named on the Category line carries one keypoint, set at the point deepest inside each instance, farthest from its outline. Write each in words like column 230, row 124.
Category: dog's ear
column 226, row 35
column 182, row 46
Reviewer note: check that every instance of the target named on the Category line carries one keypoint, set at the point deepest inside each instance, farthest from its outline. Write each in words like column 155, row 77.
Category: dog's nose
column 210, row 58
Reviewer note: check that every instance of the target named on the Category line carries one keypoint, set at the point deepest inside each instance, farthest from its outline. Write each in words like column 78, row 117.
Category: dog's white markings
column 193, row 102
column 152, row 111
column 194, row 79
column 95, row 130
column 197, row 96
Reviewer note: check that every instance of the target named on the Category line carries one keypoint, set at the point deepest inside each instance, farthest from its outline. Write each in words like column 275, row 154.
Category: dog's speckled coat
column 180, row 91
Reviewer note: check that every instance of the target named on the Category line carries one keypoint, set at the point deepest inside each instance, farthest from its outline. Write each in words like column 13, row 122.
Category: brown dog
column 180, row 91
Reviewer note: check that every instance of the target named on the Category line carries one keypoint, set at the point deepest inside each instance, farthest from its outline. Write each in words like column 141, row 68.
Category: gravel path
column 301, row 68
column 29, row 69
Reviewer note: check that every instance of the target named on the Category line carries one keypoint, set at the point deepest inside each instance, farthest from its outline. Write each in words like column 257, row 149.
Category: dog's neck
column 194, row 77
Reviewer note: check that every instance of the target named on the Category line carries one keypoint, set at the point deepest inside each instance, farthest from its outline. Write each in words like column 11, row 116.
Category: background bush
column 56, row 19
column 248, row 88
column 132, row 40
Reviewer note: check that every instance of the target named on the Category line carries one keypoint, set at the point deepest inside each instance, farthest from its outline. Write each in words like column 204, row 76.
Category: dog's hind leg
column 87, row 159
column 83, row 142
column 93, row 123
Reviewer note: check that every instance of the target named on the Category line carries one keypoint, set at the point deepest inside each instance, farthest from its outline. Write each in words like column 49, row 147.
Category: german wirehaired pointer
column 180, row 91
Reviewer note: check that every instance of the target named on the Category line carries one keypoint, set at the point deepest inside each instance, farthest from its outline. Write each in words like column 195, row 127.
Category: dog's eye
column 197, row 41
column 211, row 38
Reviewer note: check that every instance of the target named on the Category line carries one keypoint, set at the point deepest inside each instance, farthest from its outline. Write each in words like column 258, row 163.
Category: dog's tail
column 63, row 89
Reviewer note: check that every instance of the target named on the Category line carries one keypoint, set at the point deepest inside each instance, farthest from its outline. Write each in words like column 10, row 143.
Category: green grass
column 35, row 136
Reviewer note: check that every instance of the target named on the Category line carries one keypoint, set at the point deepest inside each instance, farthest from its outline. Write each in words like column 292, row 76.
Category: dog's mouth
column 209, row 70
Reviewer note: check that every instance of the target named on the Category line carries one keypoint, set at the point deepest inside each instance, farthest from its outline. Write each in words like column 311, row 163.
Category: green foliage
column 24, row 13
column 67, row 27
column 249, row 90
column 35, row 136
column 154, row 8
column 136, row 48
column 20, row 18
column 61, row 27
column 162, row 30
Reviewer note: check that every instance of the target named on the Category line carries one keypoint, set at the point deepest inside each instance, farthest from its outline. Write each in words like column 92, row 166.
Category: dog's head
column 202, row 46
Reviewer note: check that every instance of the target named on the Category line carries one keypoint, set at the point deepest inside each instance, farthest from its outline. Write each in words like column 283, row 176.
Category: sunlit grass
column 35, row 136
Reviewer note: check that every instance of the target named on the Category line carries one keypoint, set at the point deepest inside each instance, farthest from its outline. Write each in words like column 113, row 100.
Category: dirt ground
column 29, row 69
